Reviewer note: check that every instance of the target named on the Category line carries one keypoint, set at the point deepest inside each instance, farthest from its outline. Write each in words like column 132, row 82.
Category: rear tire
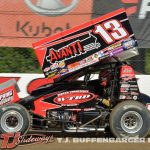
column 130, row 119
column 14, row 118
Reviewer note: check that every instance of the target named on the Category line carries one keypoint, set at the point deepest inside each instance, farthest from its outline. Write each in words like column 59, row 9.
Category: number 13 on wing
column 111, row 31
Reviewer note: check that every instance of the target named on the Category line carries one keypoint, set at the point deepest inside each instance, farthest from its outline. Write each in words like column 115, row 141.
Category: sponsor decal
column 129, row 43
column 135, row 97
column 134, row 89
column 128, row 96
column 111, row 50
column 54, row 66
column 134, row 86
column 128, row 82
column 134, row 93
column 65, row 53
column 52, row 74
column 63, row 71
column 127, row 73
column 62, row 64
column 89, row 59
column 82, row 62
column 127, row 78
column 6, row 97
column 124, row 89
column 127, row 70
column 128, row 85
column 122, row 97
column 125, row 85
column 47, row 69
column 73, row 50
column 72, row 98
column 74, row 66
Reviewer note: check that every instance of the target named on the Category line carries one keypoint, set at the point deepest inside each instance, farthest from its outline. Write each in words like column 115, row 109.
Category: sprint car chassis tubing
column 105, row 112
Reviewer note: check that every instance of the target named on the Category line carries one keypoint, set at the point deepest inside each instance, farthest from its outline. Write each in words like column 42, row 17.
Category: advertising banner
column 26, row 21
column 86, row 44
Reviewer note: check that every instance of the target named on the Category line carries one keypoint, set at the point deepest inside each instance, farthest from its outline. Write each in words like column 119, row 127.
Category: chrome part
column 11, row 121
column 131, row 122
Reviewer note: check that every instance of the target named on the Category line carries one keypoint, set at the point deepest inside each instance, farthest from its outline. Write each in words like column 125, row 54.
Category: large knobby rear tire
column 14, row 118
column 130, row 119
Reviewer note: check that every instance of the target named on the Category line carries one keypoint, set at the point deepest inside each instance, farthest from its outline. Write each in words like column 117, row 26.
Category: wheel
column 14, row 118
column 130, row 119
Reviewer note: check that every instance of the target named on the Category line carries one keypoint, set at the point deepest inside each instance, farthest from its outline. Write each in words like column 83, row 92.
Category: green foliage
column 147, row 61
column 18, row 60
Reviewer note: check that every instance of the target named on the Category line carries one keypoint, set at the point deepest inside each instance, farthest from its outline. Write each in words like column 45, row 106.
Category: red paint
column 127, row 72
column 4, row 95
column 41, row 107
column 6, row 144
column 36, row 83
column 4, row 79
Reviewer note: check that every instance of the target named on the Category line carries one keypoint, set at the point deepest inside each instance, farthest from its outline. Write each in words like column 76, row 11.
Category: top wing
column 86, row 45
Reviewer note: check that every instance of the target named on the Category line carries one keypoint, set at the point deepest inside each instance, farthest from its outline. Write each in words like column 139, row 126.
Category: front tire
column 130, row 119
column 14, row 118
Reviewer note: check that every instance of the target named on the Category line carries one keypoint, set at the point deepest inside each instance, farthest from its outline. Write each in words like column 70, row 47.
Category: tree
column 21, row 60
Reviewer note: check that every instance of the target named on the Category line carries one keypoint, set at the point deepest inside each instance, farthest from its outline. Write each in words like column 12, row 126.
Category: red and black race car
column 109, row 101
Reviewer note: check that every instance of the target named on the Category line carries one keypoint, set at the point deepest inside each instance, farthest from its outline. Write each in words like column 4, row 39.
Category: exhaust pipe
column 83, row 130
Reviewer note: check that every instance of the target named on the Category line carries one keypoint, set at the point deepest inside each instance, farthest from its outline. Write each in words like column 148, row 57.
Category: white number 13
column 111, row 31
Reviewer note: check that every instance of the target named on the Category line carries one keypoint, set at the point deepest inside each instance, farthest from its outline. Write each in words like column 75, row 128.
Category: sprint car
column 75, row 101
column 109, row 102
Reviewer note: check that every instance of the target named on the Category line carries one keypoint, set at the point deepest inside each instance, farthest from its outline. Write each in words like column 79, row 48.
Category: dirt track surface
column 86, row 146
